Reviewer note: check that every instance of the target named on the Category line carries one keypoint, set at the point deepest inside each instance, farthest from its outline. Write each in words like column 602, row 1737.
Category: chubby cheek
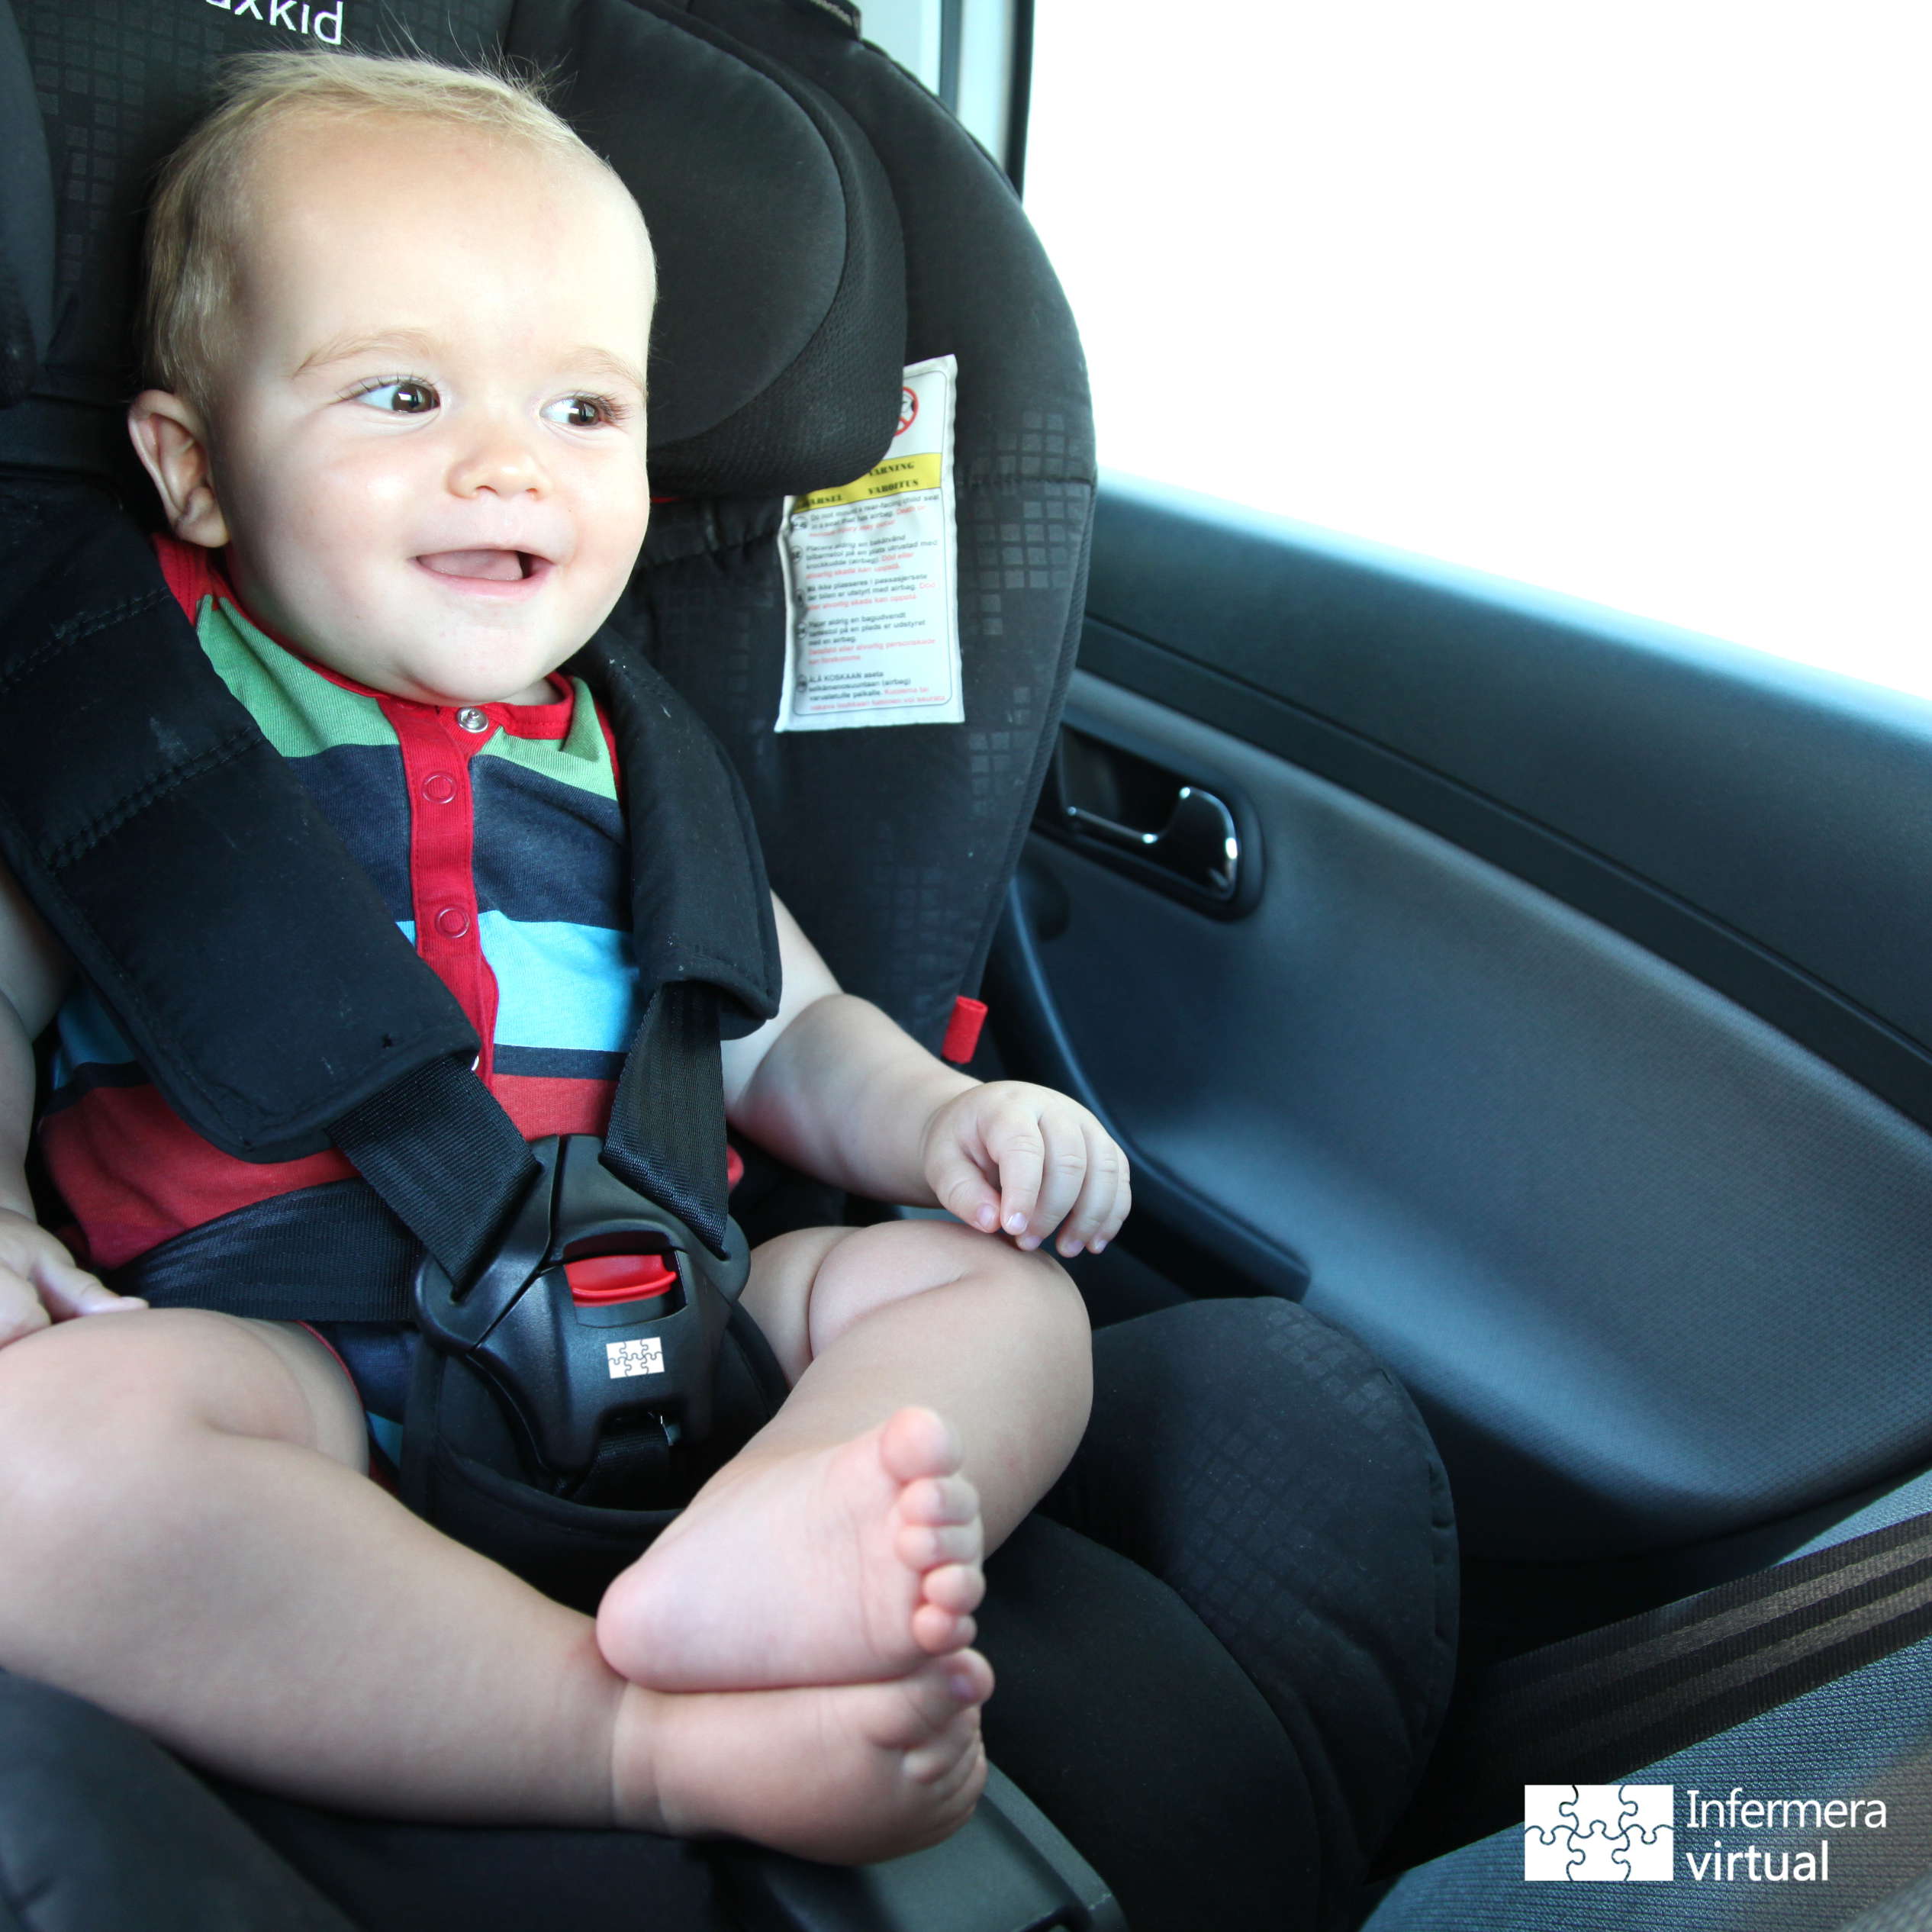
column 616, row 514
column 353, row 517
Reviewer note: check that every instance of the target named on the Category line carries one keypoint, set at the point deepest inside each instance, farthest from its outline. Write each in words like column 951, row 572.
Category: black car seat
column 1224, row 1642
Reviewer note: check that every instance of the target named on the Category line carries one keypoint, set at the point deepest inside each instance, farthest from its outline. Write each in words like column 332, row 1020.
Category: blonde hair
column 191, row 261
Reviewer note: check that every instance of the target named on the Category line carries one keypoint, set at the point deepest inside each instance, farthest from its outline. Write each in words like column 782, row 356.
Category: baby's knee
column 895, row 1260
column 67, row 1389
column 105, row 1394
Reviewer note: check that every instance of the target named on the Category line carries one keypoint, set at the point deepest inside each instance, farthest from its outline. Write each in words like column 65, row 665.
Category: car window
column 1627, row 302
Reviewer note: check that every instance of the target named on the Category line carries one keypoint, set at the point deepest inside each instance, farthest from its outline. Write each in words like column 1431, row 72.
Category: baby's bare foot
column 840, row 1566
column 846, row 1772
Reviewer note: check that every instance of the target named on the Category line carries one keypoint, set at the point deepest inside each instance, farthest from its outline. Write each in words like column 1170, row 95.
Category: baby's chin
column 463, row 695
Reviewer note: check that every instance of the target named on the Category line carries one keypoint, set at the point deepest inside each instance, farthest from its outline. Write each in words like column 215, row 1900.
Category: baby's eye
column 583, row 412
column 401, row 398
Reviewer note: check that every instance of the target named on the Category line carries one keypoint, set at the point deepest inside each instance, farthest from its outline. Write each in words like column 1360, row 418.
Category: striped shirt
column 495, row 834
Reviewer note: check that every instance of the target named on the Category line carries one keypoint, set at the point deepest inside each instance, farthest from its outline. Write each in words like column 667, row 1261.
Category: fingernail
column 1015, row 1224
column 1099, row 1246
column 963, row 1686
column 988, row 1218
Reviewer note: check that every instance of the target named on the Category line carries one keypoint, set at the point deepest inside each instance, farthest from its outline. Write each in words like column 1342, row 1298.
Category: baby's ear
column 171, row 439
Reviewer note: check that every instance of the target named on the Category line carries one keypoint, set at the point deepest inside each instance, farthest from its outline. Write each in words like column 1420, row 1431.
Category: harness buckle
column 598, row 1304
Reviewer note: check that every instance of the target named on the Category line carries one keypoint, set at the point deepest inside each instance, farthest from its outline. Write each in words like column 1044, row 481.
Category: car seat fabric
column 100, row 1827
column 904, row 906
column 1867, row 1735
column 1253, row 1556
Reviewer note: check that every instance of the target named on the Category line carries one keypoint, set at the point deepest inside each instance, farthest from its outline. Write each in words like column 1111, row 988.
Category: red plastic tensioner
column 963, row 1030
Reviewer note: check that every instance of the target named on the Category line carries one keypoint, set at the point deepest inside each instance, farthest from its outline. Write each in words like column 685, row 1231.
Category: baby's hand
column 39, row 1284
column 1023, row 1161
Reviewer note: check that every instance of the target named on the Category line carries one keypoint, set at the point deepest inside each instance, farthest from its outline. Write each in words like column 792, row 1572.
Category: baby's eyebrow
column 339, row 349
column 601, row 361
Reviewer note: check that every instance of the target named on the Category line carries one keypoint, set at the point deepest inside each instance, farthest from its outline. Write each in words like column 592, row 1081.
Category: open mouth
column 485, row 566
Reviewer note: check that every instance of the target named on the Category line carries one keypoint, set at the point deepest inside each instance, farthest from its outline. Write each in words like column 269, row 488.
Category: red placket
column 437, row 750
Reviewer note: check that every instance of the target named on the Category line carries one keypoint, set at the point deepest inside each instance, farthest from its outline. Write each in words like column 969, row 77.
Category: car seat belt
column 1599, row 1706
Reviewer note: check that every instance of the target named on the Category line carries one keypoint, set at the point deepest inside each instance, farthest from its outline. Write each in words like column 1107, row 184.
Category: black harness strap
column 334, row 1252
column 1598, row 1707
column 666, row 1137
column 446, row 1159
column 443, row 1168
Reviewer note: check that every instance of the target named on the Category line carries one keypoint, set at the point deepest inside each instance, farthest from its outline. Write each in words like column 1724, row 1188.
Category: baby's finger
column 1012, row 1135
column 69, row 1291
column 959, row 1187
column 21, row 1312
column 1096, row 1216
column 1063, row 1175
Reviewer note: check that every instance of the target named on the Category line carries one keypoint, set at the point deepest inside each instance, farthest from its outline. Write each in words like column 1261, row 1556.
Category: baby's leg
column 190, row 1542
column 942, row 1382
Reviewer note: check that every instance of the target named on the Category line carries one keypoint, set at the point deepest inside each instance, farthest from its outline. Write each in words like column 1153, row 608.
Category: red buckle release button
column 600, row 1278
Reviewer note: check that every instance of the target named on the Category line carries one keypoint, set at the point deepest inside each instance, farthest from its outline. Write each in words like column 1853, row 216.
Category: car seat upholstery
column 1866, row 1735
column 1236, row 1616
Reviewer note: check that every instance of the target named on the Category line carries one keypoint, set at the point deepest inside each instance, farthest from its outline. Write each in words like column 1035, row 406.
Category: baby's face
column 427, row 443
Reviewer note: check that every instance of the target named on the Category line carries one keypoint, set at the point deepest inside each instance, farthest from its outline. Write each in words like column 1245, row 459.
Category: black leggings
column 1225, row 1641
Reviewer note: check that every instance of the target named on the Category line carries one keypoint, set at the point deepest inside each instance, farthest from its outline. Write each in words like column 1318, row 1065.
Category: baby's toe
column 940, row 1499
column 953, row 1769
column 948, row 1759
column 918, row 1442
column 921, row 1548
column 926, row 1700
column 939, row 1632
column 959, row 1587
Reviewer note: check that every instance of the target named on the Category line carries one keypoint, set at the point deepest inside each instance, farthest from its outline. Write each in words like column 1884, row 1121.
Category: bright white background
column 1626, row 300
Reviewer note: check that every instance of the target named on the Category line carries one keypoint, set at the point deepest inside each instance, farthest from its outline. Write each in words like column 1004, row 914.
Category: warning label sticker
column 871, row 580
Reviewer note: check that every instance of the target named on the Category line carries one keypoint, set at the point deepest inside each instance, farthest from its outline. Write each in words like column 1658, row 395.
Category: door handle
column 1136, row 813
column 1198, row 845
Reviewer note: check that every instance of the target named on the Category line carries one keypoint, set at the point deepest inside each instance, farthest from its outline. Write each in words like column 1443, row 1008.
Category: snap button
column 452, row 921
column 439, row 788
column 472, row 719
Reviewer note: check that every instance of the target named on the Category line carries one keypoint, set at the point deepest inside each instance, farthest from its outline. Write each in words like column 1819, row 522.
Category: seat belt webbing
column 666, row 1138
column 446, row 1159
column 1598, row 1707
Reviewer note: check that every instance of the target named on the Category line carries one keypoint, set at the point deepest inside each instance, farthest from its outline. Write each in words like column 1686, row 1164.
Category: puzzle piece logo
column 1598, row 1831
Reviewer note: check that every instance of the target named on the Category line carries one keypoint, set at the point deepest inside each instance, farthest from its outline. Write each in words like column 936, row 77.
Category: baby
column 398, row 337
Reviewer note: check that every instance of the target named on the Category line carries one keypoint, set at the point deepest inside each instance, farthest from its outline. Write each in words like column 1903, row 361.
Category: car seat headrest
column 780, row 335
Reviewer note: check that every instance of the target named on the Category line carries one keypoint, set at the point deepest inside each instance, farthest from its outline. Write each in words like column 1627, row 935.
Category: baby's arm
column 834, row 1087
column 38, row 1282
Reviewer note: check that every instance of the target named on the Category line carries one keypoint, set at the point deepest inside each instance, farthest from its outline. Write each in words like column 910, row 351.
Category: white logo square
column 1585, row 1832
column 642, row 1357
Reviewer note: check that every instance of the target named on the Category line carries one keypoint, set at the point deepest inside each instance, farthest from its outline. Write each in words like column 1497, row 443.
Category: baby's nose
column 499, row 459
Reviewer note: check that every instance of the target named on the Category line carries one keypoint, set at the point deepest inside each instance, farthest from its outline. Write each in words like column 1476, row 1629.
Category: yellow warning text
column 896, row 474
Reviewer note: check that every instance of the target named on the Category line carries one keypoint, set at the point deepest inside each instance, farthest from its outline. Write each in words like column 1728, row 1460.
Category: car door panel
column 1752, row 819
column 1655, row 1270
